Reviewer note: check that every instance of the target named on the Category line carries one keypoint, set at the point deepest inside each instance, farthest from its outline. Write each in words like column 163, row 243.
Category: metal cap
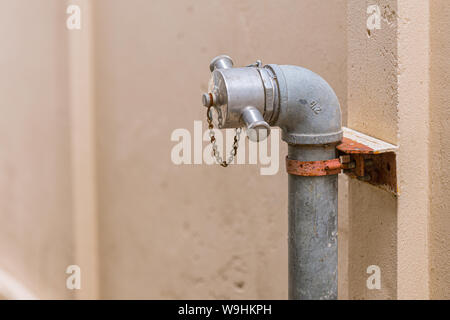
column 208, row 99
column 257, row 128
column 221, row 62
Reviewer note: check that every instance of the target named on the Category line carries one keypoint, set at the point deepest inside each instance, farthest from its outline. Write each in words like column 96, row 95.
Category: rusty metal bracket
column 369, row 160
column 313, row 168
column 360, row 156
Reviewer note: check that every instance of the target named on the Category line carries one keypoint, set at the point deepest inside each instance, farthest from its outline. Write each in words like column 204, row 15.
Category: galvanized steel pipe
column 307, row 110
column 310, row 117
column 312, row 211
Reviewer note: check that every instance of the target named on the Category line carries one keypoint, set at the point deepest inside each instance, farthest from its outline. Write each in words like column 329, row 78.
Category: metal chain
column 215, row 153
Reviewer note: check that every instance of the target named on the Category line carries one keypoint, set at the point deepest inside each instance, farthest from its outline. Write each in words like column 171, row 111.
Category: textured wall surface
column 440, row 150
column 372, row 109
column 389, row 98
column 413, row 171
column 36, row 235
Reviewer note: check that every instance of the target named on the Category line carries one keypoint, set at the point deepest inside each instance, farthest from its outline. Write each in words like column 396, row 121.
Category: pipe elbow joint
column 309, row 111
column 295, row 99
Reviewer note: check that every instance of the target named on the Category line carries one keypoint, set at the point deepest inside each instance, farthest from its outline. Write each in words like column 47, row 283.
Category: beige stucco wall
column 372, row 109
column 413, row 168
column 393, row 95
column 440, row 150
column 389, row 98
column 36, row 235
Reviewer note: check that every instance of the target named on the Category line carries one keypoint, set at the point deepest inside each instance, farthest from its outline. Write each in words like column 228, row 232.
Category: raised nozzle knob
column 208, row 99
column 221, row 62
column 257, row 128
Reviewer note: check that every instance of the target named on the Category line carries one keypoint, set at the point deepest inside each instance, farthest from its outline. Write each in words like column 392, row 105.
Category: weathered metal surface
column 309, row 110
column 370, row 143
column 381, row 172
column 313, row 236
column 350, row 146
column 313, row 168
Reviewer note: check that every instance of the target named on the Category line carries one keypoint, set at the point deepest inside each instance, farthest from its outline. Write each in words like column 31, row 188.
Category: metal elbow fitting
column 295, row 99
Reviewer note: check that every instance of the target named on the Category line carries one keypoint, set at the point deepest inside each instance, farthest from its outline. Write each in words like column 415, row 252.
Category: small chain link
column 215, row 153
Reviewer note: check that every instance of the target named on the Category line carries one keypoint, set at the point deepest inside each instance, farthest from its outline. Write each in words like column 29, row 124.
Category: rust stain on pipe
column 313, row 168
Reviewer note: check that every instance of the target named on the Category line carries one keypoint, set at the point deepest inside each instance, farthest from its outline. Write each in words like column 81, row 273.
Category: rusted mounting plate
column 313, row 168
column 372, row 160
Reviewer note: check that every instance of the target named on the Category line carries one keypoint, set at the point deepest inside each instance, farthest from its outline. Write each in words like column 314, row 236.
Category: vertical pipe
column 312, row 213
